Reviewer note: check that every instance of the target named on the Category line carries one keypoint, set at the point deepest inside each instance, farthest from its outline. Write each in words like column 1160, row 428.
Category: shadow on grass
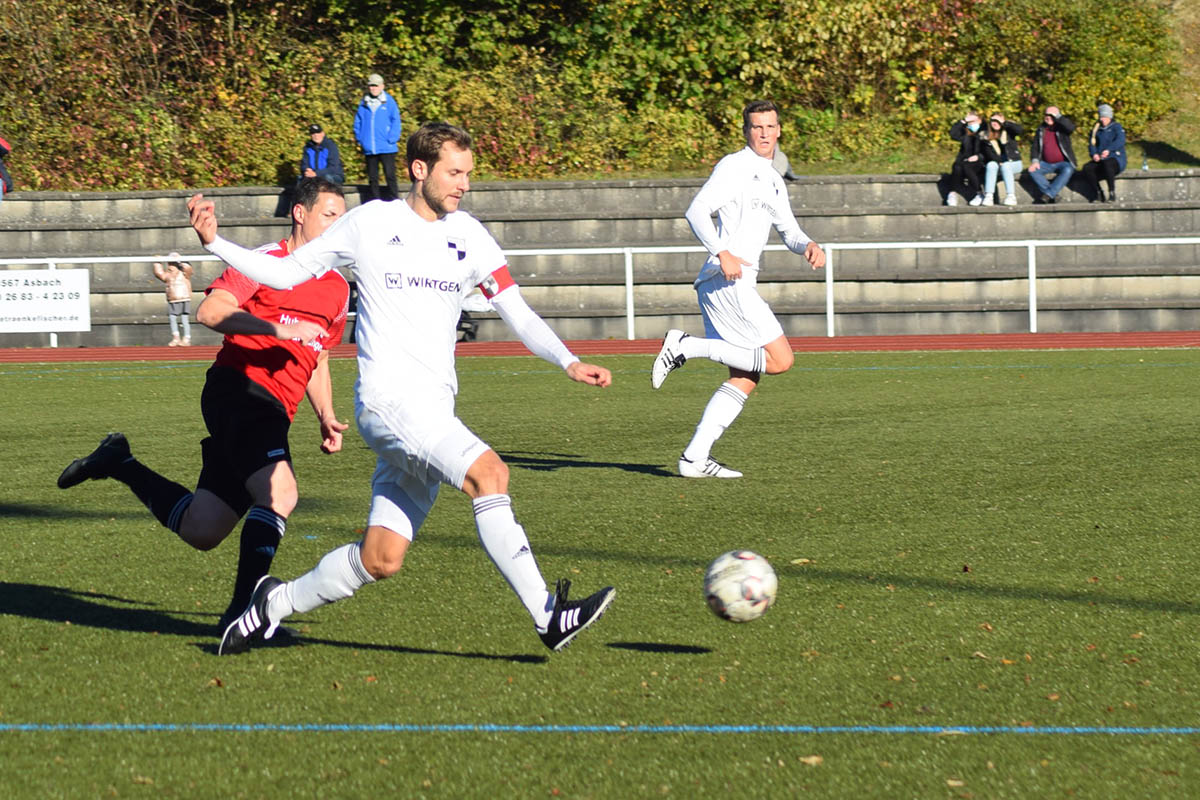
column 94, row 610
column 303, row 639
column 546, row 462
column 55, row 604
column 658, row 647
column 1161, row 151
column 31, row 511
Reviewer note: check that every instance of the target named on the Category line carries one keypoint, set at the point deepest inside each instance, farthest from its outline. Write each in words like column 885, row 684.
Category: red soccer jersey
column 283, row 368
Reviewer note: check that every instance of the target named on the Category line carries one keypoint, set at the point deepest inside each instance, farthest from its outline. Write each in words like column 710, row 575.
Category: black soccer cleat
column 254, row 624
column 572, row 616
column 98, row 464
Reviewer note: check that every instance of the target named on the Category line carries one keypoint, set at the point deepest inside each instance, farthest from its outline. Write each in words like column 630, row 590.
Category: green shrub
column 126, row 94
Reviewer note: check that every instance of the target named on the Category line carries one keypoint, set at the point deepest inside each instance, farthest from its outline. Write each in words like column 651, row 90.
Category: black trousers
column 1108, row 168
column 389, row 170
column 969, row 172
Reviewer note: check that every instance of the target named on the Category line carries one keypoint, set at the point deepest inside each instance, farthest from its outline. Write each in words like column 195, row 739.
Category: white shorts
column 734, row 311
column 419, row 445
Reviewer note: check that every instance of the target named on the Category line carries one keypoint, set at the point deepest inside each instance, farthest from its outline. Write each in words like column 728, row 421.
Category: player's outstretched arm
column 542, row 341
column 590, row 374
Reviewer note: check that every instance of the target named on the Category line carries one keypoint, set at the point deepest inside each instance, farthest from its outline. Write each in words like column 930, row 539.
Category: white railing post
column 829, row 249
column 1032, row 261
column 629, row 293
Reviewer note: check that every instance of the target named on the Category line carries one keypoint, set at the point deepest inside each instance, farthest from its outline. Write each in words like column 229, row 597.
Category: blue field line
column 266, row 727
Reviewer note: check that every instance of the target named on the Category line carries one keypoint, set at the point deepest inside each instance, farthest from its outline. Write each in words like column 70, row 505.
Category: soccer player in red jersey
column 275, row 353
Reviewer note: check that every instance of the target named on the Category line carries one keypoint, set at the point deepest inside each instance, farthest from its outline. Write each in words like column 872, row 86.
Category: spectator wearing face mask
column 966, row 174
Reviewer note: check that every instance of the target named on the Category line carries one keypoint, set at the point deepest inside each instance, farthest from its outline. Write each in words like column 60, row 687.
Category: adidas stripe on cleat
column 669, row 358
column 710, row 468
column 254, row 624
column 572, row 616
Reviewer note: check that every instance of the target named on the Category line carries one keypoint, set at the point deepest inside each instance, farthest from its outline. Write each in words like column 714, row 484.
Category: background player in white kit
column 414, row 262
column 740, row 331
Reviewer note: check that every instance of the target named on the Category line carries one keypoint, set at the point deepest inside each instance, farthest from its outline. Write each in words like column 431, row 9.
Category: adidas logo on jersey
column 524, row 551
column 396, row 240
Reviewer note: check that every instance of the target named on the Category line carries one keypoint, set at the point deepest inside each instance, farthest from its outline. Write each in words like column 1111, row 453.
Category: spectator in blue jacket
column 320, row 158
column 1106, row 146
column 377, row 129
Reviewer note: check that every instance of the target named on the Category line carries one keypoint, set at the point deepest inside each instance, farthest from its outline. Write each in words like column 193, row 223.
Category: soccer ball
column 740, row 586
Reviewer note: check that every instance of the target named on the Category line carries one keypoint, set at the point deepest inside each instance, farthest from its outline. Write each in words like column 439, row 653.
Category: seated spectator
column 1051, row 152
column 1106, row 146
column 968, row 164
column 1003, row 157
column 320, row 157
column 6, row 185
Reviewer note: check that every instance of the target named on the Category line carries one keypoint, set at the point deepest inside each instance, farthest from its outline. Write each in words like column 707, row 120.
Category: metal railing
column 831, row 250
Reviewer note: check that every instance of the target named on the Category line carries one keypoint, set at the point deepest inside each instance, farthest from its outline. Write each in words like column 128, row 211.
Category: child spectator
column 177, row 275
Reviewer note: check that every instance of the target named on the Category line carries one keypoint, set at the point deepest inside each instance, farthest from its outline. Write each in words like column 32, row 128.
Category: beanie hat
column 1104, row 110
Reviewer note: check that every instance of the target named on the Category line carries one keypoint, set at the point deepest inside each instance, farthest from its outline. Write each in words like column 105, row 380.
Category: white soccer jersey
column 412, row 276
column 748, row 196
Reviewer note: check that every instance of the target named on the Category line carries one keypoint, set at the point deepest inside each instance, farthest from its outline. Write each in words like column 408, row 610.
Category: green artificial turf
column 966, row 542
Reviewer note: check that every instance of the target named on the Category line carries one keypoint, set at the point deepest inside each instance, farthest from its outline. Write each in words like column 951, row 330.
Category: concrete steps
column 877, row 291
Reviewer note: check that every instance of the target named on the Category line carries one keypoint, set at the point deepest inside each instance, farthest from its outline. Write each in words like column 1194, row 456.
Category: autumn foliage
column 140, row 94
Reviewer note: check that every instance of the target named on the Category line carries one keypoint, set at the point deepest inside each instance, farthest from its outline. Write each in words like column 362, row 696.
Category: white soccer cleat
column 709, row 469
column 669, row 358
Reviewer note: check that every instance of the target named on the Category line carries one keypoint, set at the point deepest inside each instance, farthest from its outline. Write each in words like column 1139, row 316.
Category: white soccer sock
column 744, row 358
column 722, row 409
column 506, row 544
column 338, row 575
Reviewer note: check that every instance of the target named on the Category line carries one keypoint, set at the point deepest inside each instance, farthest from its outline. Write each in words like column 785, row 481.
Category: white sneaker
column 1010, row 200
column 669, row 358
column 709, row 469
column 951, row 199
column 977, row 200
column 988, row 200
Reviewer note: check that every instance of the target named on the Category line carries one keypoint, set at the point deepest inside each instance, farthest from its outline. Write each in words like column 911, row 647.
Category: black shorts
column 248, row 430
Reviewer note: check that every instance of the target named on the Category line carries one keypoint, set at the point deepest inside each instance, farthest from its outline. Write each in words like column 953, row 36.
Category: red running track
column 802, row 344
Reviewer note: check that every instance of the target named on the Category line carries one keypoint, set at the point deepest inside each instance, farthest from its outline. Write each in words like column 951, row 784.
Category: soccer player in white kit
column 749, row 197
column 415, row 260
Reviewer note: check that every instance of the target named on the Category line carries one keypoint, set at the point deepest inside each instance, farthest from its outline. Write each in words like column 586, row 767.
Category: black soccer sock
column 261, row 534
column 166, row 499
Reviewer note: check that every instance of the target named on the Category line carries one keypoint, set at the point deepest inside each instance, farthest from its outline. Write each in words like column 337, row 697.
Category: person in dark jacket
column 377, row 129
column 1106, row 146
column 320, row 157
column 6, row 184
column 968, row 164
column 1003, row 157
column 1051, row 153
